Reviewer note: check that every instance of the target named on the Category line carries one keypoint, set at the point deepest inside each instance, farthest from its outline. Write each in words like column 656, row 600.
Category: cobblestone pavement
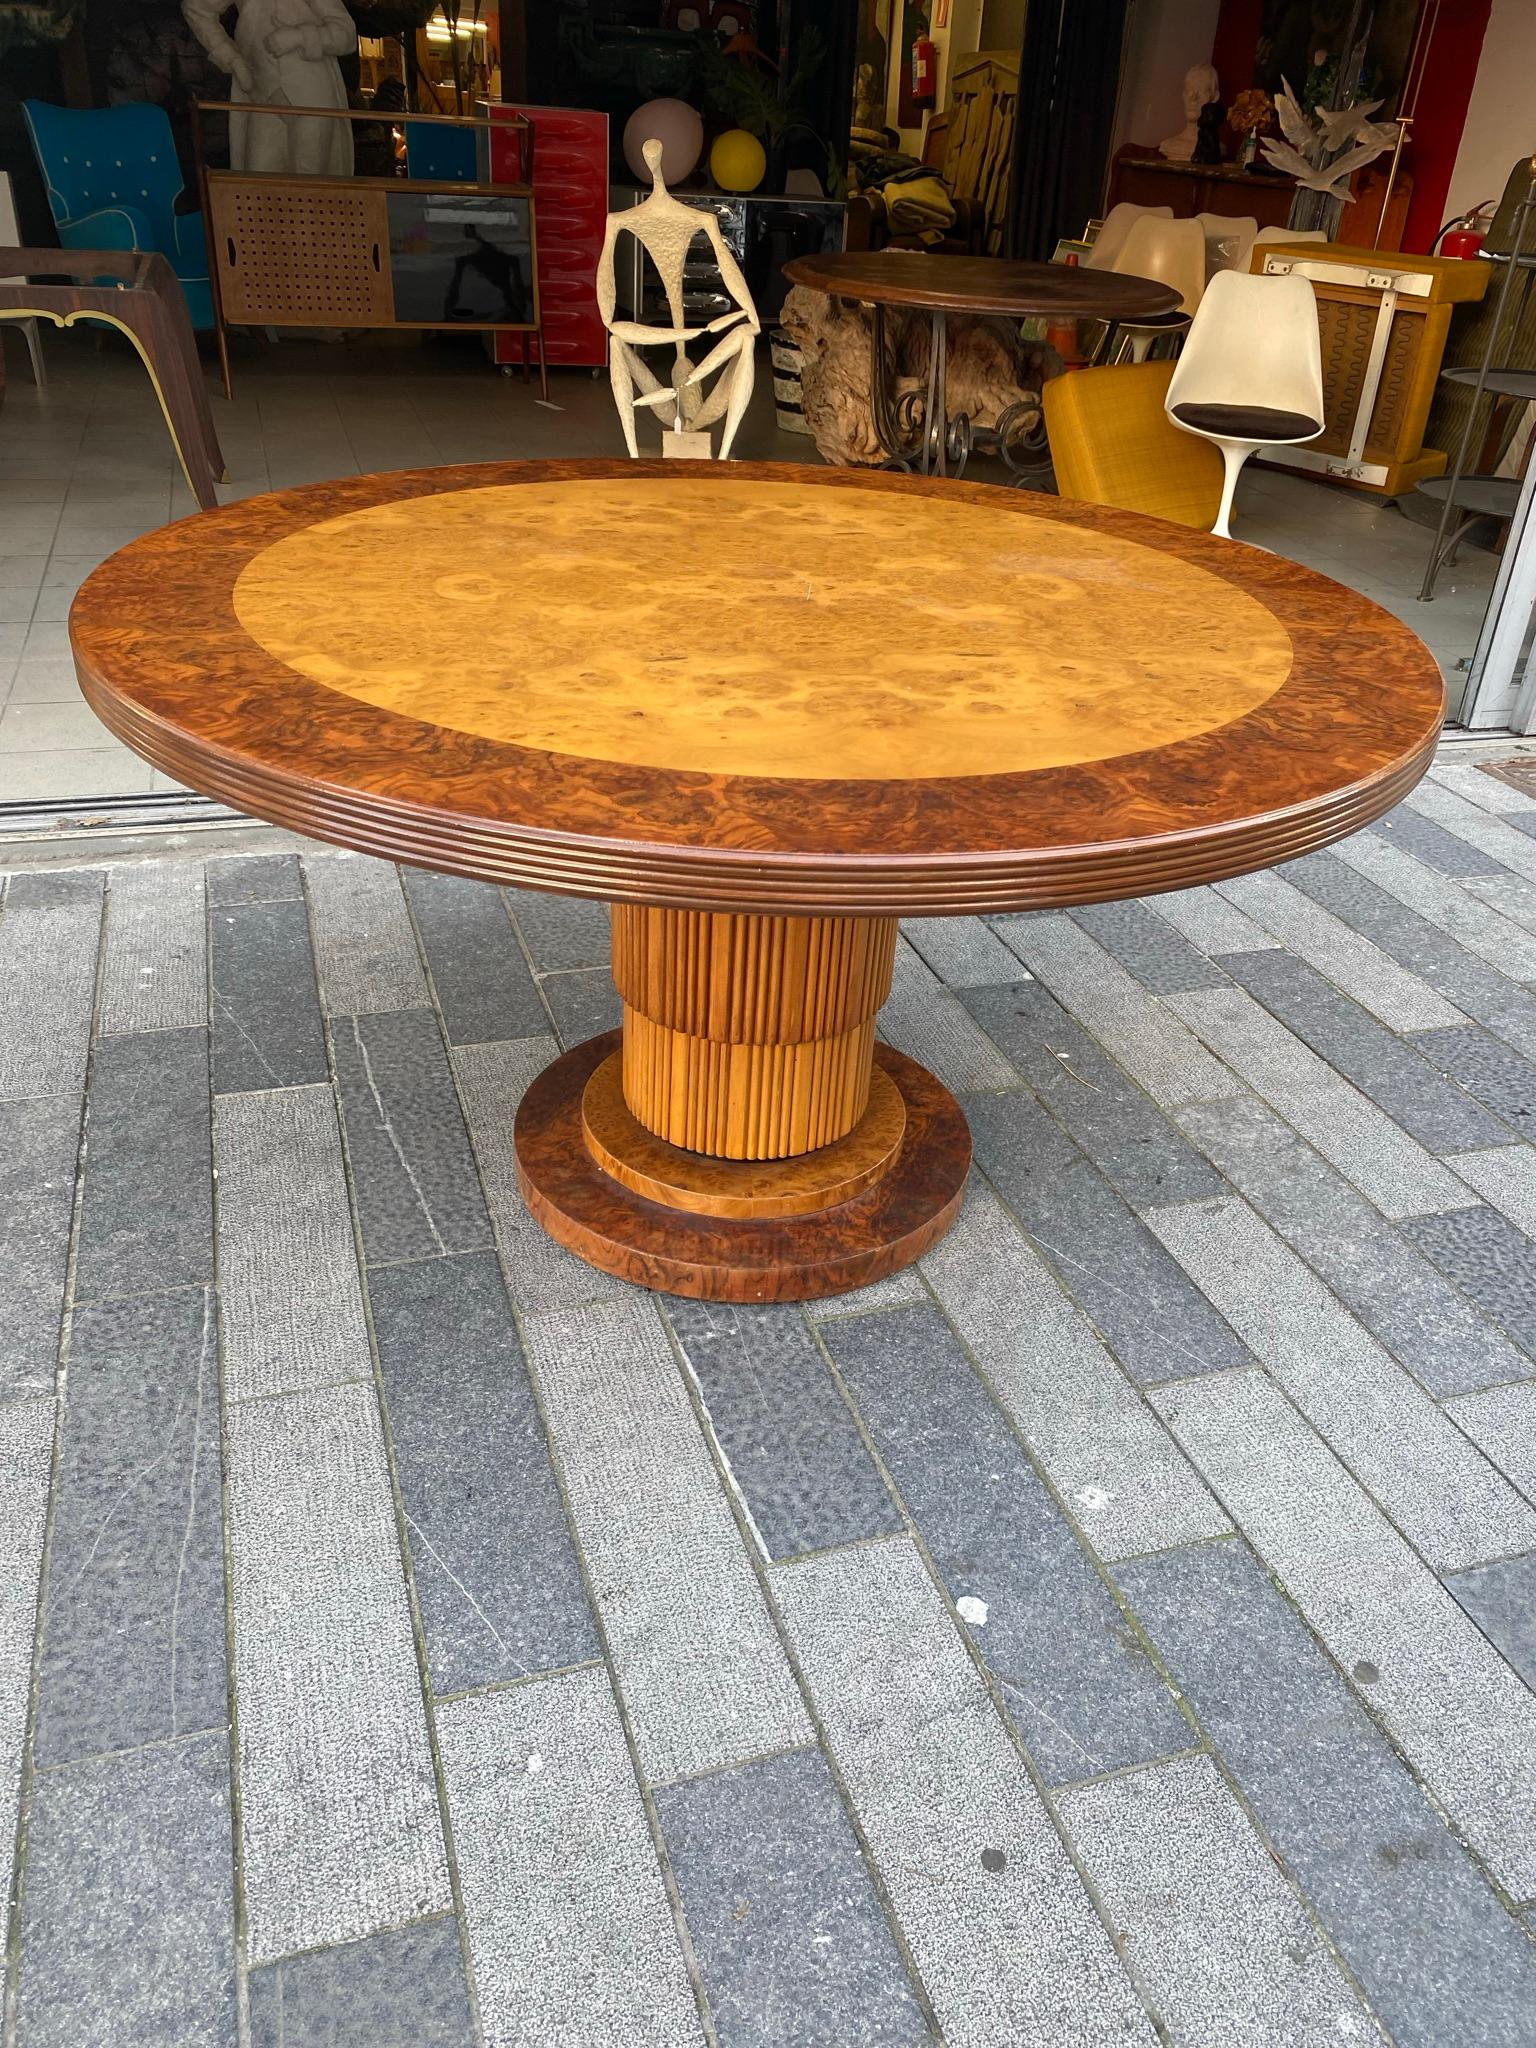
column 1118, row 1630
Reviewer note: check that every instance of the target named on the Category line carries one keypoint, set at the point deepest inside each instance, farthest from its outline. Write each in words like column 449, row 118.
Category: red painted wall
column 1237, row 35
column 1450, row 66
column 1456, row 43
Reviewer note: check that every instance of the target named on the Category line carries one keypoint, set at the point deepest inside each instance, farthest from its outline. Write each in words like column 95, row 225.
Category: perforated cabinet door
column 301, row 253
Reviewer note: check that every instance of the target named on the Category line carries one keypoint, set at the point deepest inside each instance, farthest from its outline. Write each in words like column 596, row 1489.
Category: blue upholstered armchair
column 113, row 182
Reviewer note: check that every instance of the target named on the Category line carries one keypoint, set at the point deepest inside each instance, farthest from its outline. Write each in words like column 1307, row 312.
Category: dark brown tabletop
column 980, row 284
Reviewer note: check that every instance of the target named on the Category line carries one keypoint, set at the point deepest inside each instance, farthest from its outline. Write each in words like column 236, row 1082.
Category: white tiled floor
column 86, row 465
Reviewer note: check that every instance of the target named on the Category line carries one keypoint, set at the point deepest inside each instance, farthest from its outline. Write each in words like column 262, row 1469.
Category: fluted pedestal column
column 744, row 1138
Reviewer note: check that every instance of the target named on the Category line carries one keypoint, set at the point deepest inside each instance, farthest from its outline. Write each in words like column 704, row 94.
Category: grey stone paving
column 1115, row 1629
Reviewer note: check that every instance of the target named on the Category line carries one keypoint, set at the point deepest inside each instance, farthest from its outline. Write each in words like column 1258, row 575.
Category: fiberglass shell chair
column 1267, row 237
column 1112, row 443
column 1228, row 240
column 1118, row 223
column 1251, row 374
column 1172, row 252
column 113, row 182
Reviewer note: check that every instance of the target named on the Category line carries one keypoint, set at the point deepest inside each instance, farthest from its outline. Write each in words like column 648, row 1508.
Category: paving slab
column 494, row 1566
column 927, row 1023
column 786, row 1925
column 290, row 1298
column 1139, row 1151
column 540, row 1273
column 703, row 1675
column 1128, row 1486
column 267, row 1030
column 1403, row 1299
column 1138, row 1298
column 786, row 1433
column 49, row 938
column 1145, row 1036
column 365, row 946
column 154, row 972
column 39, row 1138
column 133, row 1614
column 401, row 1989
column 1428, row 947
column 339, row 1813
column 1461, row 1717
column 1383, row 1161
column 1445, row 1497
column 1139, row 939
column 998, row 1923
column 146, row 1206
column 129, row 1931
column 1075, row 1680
column 412, row 1170
column 1227, row 1952
column 569, row 1925
column 26, row 1458
column 1402, row 1000
column 1409, row 1909
column 483, row 985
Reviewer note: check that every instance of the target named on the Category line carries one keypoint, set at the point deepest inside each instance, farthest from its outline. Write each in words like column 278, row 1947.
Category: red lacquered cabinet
column 570, row 197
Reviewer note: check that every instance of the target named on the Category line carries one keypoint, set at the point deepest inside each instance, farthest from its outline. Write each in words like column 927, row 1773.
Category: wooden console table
column 699, row 692
column 356, row 252
column 1139, row 174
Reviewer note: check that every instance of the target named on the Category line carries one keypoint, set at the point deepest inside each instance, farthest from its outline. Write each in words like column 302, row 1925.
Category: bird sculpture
column 1323, row 153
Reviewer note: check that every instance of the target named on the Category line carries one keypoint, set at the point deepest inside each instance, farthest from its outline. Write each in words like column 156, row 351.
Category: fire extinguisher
column 925, row 70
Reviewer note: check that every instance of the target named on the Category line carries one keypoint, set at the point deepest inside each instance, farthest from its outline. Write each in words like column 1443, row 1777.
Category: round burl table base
column 711, row 1257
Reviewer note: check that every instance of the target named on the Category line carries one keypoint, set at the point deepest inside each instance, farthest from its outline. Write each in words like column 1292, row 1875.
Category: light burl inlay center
column 768, row 630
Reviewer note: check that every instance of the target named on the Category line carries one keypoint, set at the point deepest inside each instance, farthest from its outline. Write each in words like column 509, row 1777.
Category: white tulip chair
column 1172, row 252
column 1251, row 372
column 1118, row 223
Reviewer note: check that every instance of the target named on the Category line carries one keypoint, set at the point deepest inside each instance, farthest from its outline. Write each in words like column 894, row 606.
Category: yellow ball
column 737, row 162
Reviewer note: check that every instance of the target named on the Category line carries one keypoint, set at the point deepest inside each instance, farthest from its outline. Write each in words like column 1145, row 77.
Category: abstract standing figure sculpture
column 282, row 54
column 664, row 227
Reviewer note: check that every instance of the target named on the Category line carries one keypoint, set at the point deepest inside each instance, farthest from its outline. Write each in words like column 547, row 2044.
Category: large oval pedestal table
column 763, row 711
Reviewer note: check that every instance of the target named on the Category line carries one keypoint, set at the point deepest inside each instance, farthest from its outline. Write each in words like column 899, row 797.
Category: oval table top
column 980, row 284
column 752, row 686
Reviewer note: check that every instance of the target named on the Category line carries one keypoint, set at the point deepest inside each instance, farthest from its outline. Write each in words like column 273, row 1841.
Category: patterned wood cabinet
column 1384, row 318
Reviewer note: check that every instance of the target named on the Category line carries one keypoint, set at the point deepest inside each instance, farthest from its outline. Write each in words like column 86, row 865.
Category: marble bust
column 1201, row 86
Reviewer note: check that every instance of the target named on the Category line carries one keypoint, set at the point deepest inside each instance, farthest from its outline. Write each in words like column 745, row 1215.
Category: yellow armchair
column 1113, row 444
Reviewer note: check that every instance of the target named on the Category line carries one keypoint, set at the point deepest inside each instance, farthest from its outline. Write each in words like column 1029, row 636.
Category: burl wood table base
column 764, row 712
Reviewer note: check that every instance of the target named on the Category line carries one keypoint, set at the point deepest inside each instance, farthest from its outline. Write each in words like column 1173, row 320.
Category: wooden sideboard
column 1144, row 178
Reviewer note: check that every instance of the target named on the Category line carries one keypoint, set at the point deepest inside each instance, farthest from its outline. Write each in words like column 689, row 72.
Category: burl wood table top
column 757, row 686
column 980, row 284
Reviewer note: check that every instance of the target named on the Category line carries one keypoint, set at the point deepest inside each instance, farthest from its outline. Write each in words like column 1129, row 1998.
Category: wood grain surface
column 1296, row 761
column 822, row 1179
column 742, row 644
column 795, row 1258
column 979, row 284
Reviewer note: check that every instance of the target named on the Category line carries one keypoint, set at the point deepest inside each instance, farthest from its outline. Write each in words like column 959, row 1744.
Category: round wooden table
column 764, row 711
column 924, row 435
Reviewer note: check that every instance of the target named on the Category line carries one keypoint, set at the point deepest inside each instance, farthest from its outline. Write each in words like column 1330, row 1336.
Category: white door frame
column 1500, row 690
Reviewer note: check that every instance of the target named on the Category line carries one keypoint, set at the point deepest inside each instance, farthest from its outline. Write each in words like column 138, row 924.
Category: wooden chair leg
column 159, row 331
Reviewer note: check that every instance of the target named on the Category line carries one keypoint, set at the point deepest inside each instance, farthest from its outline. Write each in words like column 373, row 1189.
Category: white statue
column 283, row 53
column 1201, row 86
column 664, row 227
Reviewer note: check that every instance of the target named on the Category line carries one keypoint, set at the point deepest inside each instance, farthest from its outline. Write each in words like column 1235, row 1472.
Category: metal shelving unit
column 1476, row 496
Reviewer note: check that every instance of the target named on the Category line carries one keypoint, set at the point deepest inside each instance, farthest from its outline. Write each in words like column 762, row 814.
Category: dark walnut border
column 167, row 667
